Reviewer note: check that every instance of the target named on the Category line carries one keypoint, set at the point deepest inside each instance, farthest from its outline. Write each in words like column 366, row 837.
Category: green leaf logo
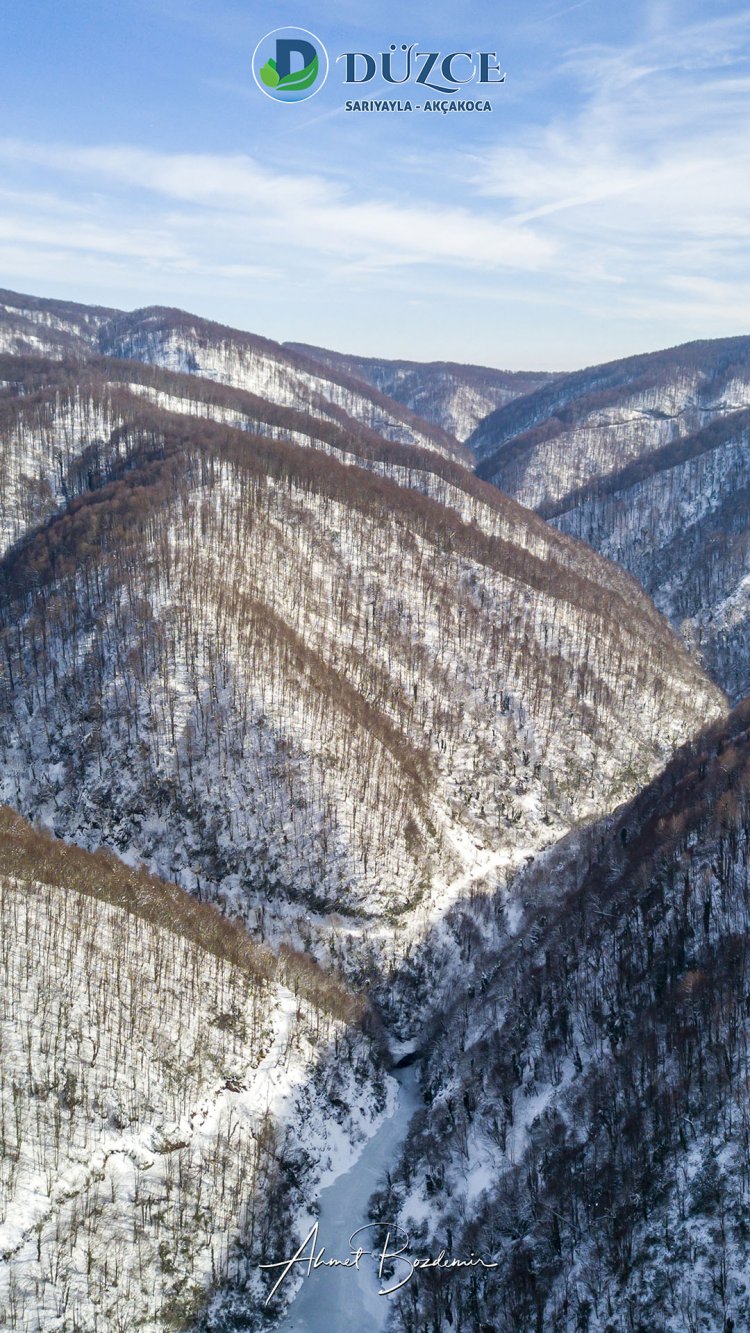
column 305, row 78
column 269, row 75
column 290, row 64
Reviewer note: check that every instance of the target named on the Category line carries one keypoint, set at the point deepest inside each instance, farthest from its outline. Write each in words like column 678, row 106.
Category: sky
column 601, row 208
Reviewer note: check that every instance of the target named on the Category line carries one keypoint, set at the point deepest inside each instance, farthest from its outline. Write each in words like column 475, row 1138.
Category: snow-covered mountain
column 170, row 1093
column 342, row 678
column 58, row 415
column 184, row 342
column 546, row 445
column 649, row 461
column 454, row 396
column 586, row 1127
column 263, row 630
column 680, row 521
column 36, row 326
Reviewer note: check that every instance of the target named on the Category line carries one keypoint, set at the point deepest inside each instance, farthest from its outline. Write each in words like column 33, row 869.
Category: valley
column 329, row 731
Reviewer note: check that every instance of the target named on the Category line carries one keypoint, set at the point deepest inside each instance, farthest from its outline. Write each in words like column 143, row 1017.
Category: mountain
column 169, row 1092
column 586, row 1127
column 56, row 414
column 544, row 446
column 680, row 521
column 32, row 325
column 340, row 676
column 455, row 397
column 180, row 341
column 648, row 461
column 312, row 710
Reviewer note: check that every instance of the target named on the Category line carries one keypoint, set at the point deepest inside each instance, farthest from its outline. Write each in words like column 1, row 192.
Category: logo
column 444, row 74
column 290, row 64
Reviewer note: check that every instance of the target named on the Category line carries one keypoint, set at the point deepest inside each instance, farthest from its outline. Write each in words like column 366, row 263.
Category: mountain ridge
column 648, row 461
column 181, row 341
column 453, row 395
column 408, row 573
column 380, row 731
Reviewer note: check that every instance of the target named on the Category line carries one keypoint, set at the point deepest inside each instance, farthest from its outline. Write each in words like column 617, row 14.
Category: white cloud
column 647, row 184
column 612, row 213
column 239, row 200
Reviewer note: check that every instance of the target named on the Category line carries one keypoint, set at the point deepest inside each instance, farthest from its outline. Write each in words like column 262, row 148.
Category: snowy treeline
column 283, row 679
column 163, row 1084
column 456, row 397
column 587, row 1123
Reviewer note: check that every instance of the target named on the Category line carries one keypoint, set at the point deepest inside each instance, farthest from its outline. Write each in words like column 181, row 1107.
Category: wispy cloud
column 647, row 184
column 608, row 207
column 199, row 200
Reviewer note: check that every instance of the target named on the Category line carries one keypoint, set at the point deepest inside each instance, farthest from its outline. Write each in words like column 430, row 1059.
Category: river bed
column 340, row 1300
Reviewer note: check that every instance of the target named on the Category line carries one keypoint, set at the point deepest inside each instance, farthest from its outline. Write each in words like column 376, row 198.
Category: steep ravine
column 337, row 1300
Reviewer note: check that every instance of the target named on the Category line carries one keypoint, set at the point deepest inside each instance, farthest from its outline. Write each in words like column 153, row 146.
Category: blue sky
column 602, row 208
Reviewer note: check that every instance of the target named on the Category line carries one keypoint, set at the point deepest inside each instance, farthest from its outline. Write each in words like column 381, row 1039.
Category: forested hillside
column 647, row 460
column 180, row 341
column 587, row 1123
column 286, row 680
column 582, row 426
column 169, row 1093
column 312, row 712
column 456, row 397
column 680, row 521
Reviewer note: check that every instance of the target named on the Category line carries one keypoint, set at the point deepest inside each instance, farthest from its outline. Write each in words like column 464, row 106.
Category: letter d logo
column 290, row 64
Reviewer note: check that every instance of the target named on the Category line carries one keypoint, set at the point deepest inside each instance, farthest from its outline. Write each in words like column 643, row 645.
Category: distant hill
column 648, row 460
column 456, row 397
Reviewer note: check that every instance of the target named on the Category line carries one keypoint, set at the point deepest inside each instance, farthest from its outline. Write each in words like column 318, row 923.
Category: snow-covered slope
column 586, row 1128
column 261, row 628
column 648, row 461
column 183, row 342
column 583, row 426
column 62, row 422
column 680, row 521
column 31, row 325
column 282, row 676
column 168, row 1095
column 456, row 397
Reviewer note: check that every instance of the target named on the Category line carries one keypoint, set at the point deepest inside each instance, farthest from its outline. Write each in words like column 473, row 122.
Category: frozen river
column 340, row 1300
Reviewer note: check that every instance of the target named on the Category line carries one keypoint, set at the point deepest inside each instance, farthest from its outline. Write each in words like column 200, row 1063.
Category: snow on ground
column 145, row 1086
